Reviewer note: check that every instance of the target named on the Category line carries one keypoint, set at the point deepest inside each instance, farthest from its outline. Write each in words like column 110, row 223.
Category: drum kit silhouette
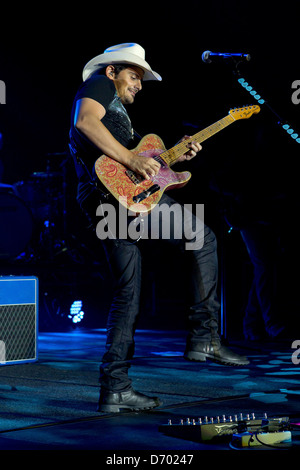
column 33, row 213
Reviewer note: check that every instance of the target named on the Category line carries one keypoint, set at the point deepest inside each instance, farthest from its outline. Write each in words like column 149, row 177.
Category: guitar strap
column 136, row 134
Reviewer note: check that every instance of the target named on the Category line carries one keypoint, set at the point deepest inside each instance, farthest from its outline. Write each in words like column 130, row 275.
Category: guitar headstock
column 245, row 112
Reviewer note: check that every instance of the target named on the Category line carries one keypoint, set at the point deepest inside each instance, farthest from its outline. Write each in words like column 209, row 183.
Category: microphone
column 206, row 56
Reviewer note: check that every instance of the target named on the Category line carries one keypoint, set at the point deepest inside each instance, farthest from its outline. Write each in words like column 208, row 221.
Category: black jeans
column 124, row 258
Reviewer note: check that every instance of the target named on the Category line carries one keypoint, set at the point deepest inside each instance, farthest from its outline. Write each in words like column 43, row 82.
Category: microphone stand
column 280, row 121
column 293, row 134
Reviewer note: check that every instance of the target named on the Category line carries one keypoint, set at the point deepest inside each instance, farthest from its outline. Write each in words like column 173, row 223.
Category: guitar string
column 170, row 156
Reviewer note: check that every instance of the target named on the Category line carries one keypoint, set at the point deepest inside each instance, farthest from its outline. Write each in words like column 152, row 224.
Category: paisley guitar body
column 126, row 186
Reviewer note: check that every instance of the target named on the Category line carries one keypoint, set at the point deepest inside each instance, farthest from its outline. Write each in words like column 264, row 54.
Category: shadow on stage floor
column 51, row 404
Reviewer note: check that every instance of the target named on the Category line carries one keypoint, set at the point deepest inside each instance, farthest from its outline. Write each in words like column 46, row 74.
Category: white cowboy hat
column 128, row 53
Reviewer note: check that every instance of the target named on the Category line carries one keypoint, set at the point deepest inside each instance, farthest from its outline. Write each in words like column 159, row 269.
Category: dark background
column 44, row 48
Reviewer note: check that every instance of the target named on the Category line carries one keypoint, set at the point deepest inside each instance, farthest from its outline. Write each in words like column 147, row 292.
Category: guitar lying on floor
column 141, row 195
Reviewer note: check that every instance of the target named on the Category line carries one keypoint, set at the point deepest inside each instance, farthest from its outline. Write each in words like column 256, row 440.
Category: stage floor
column 51, row 404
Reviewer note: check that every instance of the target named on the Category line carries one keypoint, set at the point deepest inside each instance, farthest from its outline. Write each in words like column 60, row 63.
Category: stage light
column 76, row 313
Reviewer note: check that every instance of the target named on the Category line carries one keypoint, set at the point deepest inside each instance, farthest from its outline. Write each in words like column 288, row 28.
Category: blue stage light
column 76, row 313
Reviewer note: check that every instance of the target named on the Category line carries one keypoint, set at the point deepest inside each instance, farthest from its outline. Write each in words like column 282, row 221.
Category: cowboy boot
column 204, row 343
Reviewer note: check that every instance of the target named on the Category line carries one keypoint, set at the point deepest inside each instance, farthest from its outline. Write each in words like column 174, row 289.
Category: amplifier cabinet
column 18, row 319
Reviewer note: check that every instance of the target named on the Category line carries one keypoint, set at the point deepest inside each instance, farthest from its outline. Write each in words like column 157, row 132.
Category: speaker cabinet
column 18, row 319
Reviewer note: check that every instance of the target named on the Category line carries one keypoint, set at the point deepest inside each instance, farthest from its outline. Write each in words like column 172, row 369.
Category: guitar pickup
column 134, row 177
column 144, row 194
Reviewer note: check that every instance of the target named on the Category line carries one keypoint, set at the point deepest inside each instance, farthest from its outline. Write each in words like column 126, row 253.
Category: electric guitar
column 139, row 195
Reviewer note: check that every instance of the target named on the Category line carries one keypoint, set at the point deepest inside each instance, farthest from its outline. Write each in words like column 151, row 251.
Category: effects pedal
column 223, row 428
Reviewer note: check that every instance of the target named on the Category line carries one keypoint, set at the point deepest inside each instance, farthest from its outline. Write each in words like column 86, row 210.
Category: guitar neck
column 171, row 156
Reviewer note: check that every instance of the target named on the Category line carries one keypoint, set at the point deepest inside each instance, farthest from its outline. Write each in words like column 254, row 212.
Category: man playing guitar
column 100, row 125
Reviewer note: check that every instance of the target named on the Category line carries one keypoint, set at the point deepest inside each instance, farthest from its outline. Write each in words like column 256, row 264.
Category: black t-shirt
column 116, row 119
